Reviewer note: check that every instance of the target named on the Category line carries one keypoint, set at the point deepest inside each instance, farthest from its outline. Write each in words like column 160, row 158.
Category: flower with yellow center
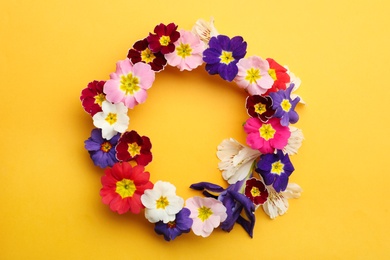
column 161, row 203
column 260, row 108
column 164, row 40
column 204, row 213
column 252, row 75
column 125, row 188
column 147, row 56
column 184, row 50
column 99, row 98
column 134, row 149
column 129, row 84
column 277, row 167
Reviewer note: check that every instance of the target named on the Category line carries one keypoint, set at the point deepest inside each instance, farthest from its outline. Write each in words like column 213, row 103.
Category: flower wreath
column 257, row 175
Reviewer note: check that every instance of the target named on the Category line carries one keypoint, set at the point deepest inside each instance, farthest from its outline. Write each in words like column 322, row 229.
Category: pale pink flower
column 129, row 83
column 253, row 75
column 206, row 213
column 188, row 53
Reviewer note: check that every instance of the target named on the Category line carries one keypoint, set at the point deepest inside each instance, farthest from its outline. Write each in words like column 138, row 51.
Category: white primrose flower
column 205, row 30
column 277, row 202
column 161, row 203
column 236, row 160
column 294, row 141
column 112, row 119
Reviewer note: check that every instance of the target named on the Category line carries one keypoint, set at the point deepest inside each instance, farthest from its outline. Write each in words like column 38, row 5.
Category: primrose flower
column 141, row 53
column 256, row 191
column 123, row 186
column 92, row 97
column 266, row 137
column 164, row 38
column 161, row 203
column 235, row 203
column 205, row 30
column 206, row 213
column 112, row 119
column 284, row 106
column 279, row 75
column 236, row 160
column 294, row 142
column 223, row 54
column 129, row 83
column 102, row 151
column 277, row 202
column 253, row 75
column 188, row 53
column 260, row 107
column 275, row 169
column 131, row 146
column 172, row 229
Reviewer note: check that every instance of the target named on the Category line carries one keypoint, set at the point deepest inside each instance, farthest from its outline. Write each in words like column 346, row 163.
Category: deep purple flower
column 102, row 151
column 275, row 169
column 223, row 54
column 172, row 229
column 234, row 201
column 284, row 106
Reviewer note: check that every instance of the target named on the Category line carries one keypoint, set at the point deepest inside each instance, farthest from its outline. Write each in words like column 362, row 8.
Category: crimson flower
column 132, row 147
column 123, row 186
column 141, row 53
column 92, row 97
column 256, row 191
column 164, row 38
column 279, row 75
column 260, row 106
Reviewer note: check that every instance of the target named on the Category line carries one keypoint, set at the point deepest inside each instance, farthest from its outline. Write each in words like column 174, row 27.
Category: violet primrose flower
column 275, row 168
column 102, row 151
column 284, row 106
column 234, row 202
column 171, row 230
column 223, row 54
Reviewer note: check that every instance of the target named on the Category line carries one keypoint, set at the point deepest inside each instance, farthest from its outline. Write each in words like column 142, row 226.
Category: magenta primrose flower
column 266, row 137
column 129, row 83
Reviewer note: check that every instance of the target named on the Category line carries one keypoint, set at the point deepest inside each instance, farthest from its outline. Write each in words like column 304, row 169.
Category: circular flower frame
column 257, row 174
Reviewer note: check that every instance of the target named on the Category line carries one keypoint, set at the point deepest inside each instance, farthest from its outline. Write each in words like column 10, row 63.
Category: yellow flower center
column 162, row 202
column 255, row 192
column 184, row 50
column 129, row 84
column 267, row 131
column 286, row 105
column 226, row 57
column 272, row 73
column 204, row 213
column 147, row 55
column 99, row 98
column 111, row 118
column 125, row 188
column 106, row 147
column 260, row 108
column 134, row 149
column 252, row 75
column 277, row 168
column 165, row 40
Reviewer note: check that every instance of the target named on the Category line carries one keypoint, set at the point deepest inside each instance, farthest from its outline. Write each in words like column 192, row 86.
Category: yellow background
column 50, row 204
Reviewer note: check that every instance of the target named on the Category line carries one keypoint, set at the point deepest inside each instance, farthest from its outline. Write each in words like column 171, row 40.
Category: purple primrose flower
column 172, row 229
column 275, row 169
column 284, row 106
column 223, row 54
column 102, row 151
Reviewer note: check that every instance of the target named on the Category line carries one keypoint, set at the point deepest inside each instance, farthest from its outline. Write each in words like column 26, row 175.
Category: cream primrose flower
column 236, row 160
column 277, row 203
column 205, row 30
column 294, row 141
column 161, row 203
column 112, row 119
column 297, row 83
